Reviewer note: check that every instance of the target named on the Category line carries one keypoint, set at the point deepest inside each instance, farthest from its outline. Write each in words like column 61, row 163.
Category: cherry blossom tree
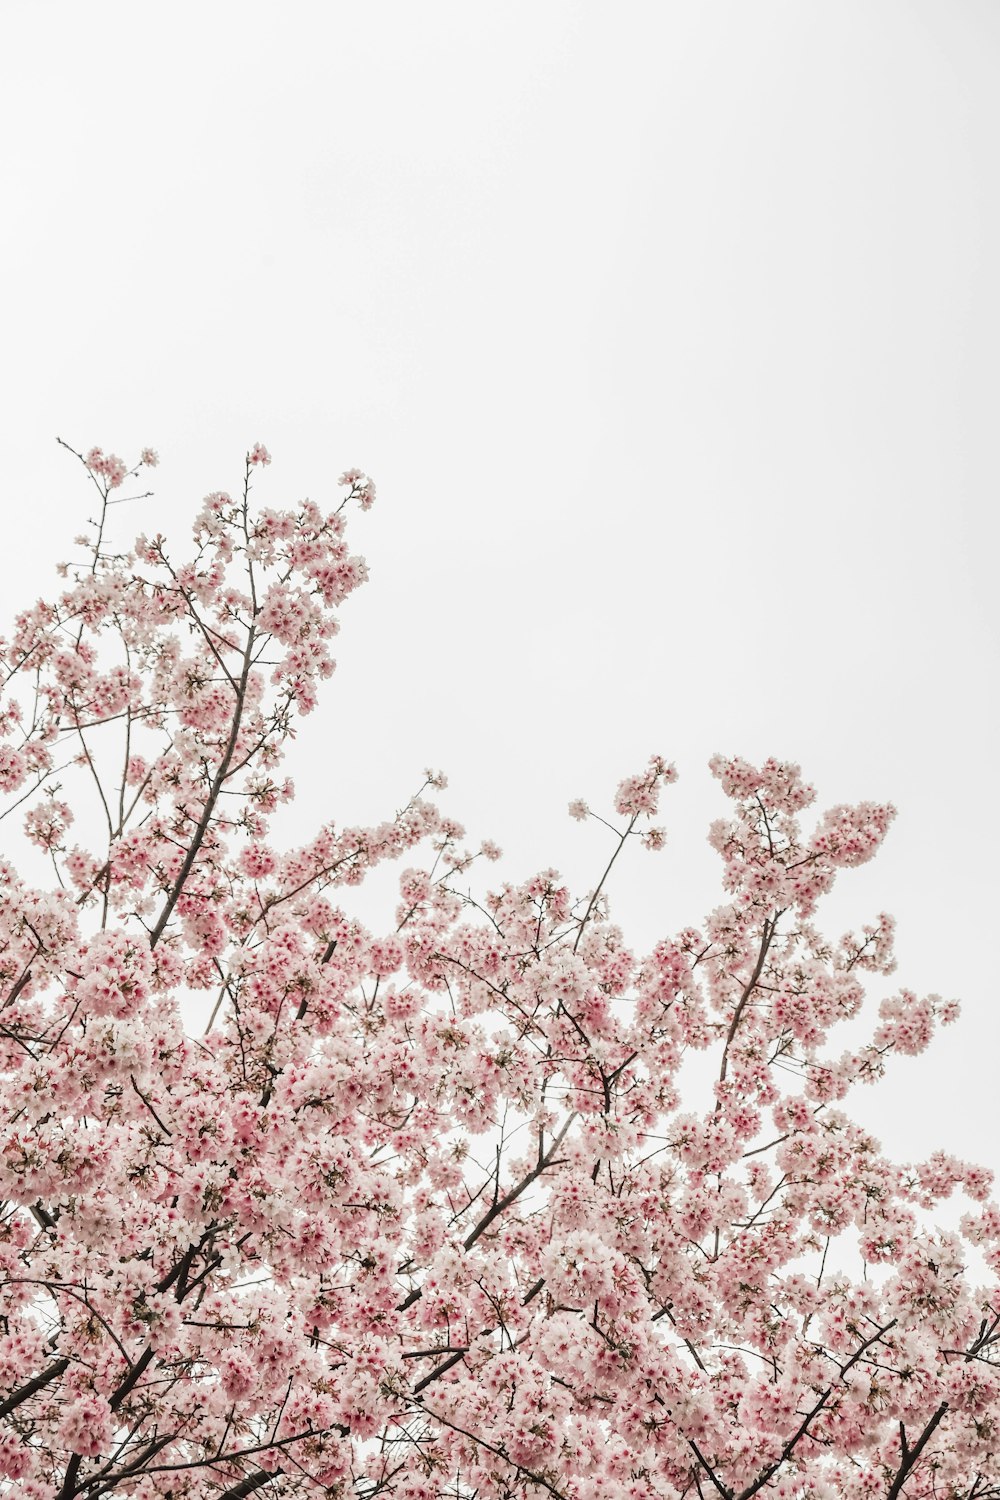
column 422, row 1212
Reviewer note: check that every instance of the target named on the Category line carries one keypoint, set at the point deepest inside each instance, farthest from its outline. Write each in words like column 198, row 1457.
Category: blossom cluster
column 425, row 1210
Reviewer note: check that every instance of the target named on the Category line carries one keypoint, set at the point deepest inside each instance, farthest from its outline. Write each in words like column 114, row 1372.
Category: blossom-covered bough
column 422, row 1213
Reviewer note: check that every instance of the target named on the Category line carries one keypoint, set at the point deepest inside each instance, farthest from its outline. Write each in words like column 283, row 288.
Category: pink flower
column 13, row 769
column 86, row 1425
column 110, row 466
column 361, row 486
column 16, row 1459
column 273, row 1178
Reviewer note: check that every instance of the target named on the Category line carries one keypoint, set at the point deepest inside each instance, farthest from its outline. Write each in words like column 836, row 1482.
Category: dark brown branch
column 908, row 1455
column 211, row 799
column 813, row 1412
column 723, row 1489
column 503, row 1203
column 149, row 1106
column 132, row 1378
column 252, row 1482
column 600, row 884
column 769, row 931
column 31, row 1387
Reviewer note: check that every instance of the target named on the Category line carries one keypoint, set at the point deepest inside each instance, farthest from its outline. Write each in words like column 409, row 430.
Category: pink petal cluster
column 426, row 1211
column 108, row 466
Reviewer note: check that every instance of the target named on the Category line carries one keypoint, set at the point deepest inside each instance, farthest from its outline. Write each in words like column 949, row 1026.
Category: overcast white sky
column 670, row 335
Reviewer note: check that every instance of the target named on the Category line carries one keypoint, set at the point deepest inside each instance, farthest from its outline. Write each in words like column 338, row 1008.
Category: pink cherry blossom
column 432, row 1209
column 86, row 1425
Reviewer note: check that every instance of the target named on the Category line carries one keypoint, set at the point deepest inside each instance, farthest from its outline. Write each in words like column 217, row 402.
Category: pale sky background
column 669, row 333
